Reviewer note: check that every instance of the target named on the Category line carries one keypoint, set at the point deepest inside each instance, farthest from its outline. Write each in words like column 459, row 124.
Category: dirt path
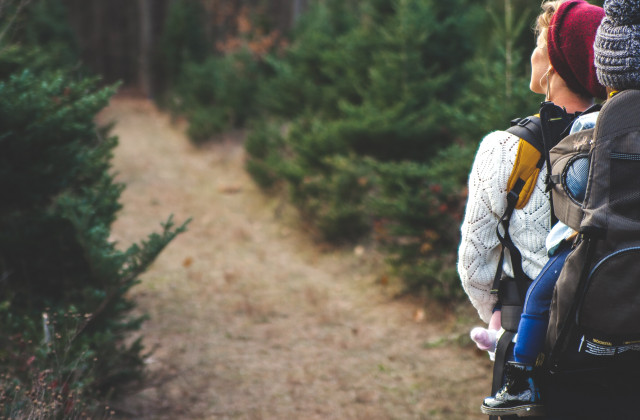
column 252, row 320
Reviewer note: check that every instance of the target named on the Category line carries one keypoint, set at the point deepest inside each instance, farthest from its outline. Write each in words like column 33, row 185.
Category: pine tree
column 374, row 79
column 57, row 262
column 384, row 103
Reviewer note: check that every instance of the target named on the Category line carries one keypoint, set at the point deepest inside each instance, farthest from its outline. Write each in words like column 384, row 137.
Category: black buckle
column 549, row 182
column 524, row 121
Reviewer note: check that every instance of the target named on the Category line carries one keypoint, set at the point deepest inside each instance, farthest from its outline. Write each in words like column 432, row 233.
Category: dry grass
column 252, row 320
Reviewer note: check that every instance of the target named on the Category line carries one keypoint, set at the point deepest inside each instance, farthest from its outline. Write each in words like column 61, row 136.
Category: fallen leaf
column 425, row 248
column 229, row 189
column 229, row 275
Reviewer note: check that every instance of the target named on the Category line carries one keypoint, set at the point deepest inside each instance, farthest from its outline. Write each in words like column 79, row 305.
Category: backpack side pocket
column 624, row 195
column 611, row 299
column 569, row 173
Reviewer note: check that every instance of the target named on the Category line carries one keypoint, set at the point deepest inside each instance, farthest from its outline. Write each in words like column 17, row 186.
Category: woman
column 561, row 68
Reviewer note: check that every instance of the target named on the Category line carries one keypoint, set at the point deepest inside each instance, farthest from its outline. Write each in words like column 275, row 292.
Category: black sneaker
column 519, row 396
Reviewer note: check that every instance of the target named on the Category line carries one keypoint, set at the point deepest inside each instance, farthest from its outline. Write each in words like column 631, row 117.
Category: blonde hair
column 543, row 22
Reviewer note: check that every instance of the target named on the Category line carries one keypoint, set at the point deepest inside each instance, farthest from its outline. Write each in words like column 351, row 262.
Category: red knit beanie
column 570, row 44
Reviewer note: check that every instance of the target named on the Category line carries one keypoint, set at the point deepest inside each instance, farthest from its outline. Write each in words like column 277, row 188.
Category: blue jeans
column 534, row 320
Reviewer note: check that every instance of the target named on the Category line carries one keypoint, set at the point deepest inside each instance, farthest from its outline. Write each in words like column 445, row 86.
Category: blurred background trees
column 366, row 114
column 384, row 103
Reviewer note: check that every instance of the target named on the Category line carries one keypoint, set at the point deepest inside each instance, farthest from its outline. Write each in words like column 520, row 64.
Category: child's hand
column 487, row 338
column 484, row 338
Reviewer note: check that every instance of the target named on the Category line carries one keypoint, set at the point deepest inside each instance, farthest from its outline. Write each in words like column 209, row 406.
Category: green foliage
column 500, row 88
column 386, row 54
column 370, row 79
column 14, row 58
column 387, row 102
column 328, row 188
column 46, row 27
column 56, row 257
column 38, row 36
column 309, row 79
column 218, row 94
column 488, row 107
column 183, row 40
column 264, row 146
column 334, row 199
column 418, row 211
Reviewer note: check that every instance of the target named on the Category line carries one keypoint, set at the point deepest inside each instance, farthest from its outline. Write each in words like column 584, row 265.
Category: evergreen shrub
column 265, row 144
column 387, row 101
column 45, row 25
column 218, row 94
column 373, row 79
column 64, row 307
column 216, row 88
column 418, row 213
column 37, row 35
column 488, row 106
column 334, row 199
column 319, row 68
column 183, row 41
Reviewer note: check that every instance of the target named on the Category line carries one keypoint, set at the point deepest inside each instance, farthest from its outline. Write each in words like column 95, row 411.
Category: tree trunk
column 299, row 6
column 146, row 34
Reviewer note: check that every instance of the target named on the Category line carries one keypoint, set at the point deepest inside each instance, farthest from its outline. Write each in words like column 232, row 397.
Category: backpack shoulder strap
column 537, row 134
column 529, row 159
column 529, row 129
column 520, row 185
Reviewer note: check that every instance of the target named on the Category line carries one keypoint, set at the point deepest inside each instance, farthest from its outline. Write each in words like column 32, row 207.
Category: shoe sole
column 520, row 411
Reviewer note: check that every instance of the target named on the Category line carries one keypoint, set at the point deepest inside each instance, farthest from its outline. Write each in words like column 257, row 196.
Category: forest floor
column 251, row 318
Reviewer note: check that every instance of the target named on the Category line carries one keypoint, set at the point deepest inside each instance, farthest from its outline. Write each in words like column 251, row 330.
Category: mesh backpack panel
column 595, row 311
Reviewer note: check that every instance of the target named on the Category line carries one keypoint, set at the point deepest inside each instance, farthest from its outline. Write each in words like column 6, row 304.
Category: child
column 520, row 395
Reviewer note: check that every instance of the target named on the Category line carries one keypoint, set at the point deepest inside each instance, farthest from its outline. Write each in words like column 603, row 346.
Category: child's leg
column 535, row 315
column 520, row 395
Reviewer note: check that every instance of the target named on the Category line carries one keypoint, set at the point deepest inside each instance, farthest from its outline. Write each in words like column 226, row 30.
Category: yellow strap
column 524, row 168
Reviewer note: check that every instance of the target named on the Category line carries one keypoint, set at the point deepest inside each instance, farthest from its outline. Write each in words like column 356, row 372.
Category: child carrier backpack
column 594, row 321
column 538, row 134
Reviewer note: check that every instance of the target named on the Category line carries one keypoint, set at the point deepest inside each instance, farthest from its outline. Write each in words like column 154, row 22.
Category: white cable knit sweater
column 480, row 249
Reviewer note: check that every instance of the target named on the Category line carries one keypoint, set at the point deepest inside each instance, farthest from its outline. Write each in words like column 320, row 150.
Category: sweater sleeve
column 479, row 250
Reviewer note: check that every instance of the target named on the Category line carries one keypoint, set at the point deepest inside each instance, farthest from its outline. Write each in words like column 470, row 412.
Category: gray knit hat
column 617, row 45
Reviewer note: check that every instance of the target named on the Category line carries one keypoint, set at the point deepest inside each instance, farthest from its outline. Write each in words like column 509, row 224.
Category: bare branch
column 3, row 4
